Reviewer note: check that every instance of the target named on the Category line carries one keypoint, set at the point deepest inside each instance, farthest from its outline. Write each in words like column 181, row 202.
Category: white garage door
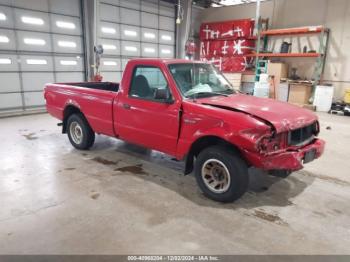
column 40, row 42
column 134, row 28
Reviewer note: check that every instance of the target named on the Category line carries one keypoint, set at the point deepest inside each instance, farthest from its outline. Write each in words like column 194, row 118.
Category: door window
column 149, row 83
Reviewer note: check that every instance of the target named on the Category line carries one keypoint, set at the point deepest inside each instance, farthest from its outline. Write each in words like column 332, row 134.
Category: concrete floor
column 122, row 199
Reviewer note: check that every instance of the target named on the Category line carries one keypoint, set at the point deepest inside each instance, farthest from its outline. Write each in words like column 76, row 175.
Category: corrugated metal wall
column 40, row 42
column 134, row 28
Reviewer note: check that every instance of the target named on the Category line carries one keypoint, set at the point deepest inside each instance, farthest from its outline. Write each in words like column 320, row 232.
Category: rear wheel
column 80, row 134
column 221, row 174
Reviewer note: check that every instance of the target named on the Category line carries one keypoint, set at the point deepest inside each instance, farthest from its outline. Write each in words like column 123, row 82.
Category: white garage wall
column 40, row 42
column 134, row 28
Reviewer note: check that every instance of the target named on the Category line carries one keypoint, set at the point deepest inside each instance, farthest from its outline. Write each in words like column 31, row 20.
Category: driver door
column 144, row 120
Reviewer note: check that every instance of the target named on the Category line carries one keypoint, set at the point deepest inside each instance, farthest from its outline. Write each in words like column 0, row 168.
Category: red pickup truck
column 189, row 110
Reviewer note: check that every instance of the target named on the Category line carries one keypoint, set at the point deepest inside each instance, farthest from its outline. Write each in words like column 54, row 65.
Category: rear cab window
column 146, row 81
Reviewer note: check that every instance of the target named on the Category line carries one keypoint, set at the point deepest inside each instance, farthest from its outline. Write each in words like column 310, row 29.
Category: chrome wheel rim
column 76, row 132
column 216, row 176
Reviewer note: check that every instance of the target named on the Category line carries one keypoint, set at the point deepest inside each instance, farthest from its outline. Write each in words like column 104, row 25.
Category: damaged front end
column 287, row 150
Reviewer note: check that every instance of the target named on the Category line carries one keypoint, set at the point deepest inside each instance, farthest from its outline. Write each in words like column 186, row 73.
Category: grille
column 302, row 135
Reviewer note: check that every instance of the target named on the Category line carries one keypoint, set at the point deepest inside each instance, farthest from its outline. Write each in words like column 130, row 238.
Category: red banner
column 227, row 30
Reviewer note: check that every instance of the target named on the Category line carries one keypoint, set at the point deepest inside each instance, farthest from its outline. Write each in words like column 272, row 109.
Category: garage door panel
column 111, row 76
column 34, row 99
column 36, row 30
column 109, row 13
column 166, row 51
column 36, row 63
column 109, row 30
column 149, row 50
column 31, row 20
column 166, row 37
column 36, row 81
column 65, row 24
column 110, row 64
column 130, row 48
column 7, row 39
column 166, row 23
column 110, row 47
column 13, row 100
column 66, row 7
column 69, row 77
column 130, row 32
column 124, row 62
column 41, row 5
column 149, row 35
column 68, row 64
column 130, row 17
column 67, row 44
column 8, row 22
column 166, row 10
column 150, row 6
column 149, row 20
column 113, row 2
column 8, row 63
column 34, row 41
column 132, row 4
column 10, row 82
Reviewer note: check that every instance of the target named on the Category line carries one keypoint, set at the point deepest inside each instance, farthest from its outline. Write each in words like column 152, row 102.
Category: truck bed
column 107, row 86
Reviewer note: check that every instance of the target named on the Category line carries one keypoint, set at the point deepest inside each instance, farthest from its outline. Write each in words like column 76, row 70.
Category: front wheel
column 221, row 174
column 80, row 134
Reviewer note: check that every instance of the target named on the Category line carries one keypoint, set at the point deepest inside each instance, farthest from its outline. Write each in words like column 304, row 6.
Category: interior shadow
column 264, row 189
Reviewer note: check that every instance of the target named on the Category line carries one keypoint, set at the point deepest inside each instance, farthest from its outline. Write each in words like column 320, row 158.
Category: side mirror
column 163, row 95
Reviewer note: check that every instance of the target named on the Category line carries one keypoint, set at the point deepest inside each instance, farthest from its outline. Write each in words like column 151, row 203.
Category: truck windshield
column 200, row 80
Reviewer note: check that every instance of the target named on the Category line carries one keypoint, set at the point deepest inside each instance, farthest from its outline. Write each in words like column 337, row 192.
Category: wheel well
column 68, row 111
column 202, row 143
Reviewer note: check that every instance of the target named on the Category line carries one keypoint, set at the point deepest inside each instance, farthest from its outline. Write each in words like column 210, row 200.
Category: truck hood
column 281, row 115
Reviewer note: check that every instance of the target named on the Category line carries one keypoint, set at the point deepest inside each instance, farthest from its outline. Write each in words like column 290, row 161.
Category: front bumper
column 288, row 160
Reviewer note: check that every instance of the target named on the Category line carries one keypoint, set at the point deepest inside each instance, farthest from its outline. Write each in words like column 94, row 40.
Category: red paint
column 244, row 121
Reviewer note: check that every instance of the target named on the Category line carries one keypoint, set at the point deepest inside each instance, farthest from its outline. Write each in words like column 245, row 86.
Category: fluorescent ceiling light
column 36, row 61
column 166, row 37
column 109, row 47
column 109, row 63
column 4, row 39
column 149, row 35
column 68, row 62
column 130, row 33
column 166, row 51
column 32, row 20
column 67, row 25
column 130, row 48
column 5, row 61
column 149, row 50
column 2, row 17
column 34, row 41
column 67, row 44
column 108, row 30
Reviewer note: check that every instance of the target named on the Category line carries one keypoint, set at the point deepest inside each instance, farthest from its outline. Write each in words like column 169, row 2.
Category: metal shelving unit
column 323, row 35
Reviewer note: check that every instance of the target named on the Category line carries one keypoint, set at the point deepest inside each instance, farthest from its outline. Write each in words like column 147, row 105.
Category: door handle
column 127, row 106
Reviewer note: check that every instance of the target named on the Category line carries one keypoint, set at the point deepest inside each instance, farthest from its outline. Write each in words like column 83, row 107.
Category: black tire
column 87, row 137
column 237, row 170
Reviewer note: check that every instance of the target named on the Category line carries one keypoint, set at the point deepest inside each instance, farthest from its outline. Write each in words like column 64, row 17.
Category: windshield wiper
column 208, row 93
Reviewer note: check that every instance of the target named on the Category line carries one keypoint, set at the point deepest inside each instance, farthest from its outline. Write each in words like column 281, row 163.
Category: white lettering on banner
column 224, row 48
column 239, row 31
column 215, row 34
column 228, row 33
column 207, row 31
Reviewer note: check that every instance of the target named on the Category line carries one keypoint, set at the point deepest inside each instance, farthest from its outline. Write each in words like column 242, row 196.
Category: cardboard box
column 234, row 79
column 278, row 71
column 299, row 93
